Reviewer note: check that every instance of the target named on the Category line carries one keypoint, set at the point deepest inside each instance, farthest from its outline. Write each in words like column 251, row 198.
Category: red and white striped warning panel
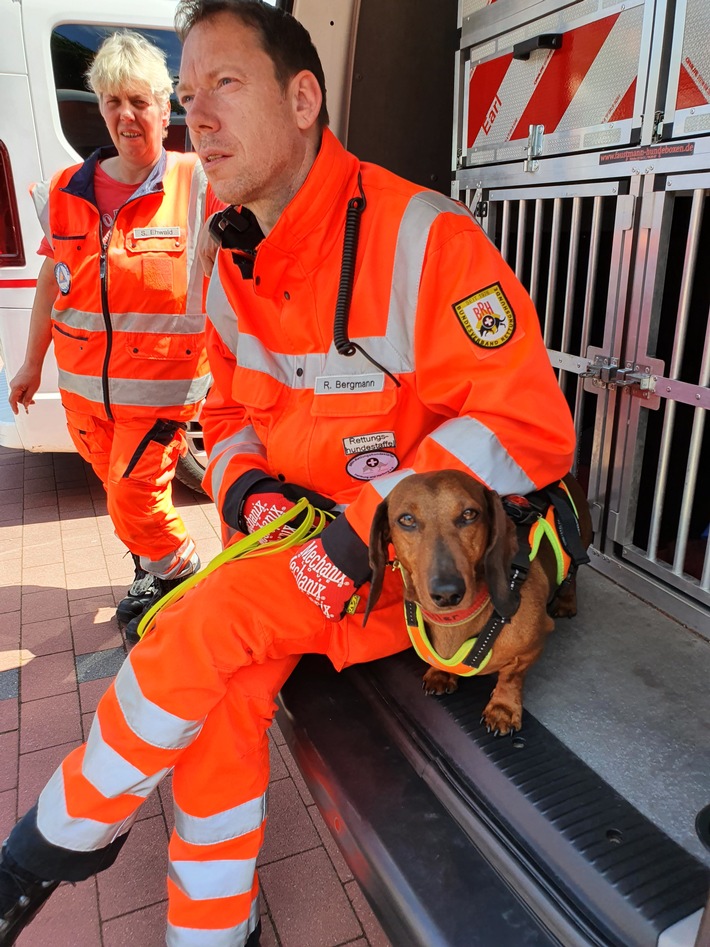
column 692, row 88
column 473, row 6
column 582, row 93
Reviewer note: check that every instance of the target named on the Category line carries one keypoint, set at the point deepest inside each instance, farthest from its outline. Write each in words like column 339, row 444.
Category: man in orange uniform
column 121, row 296
column 438, row 362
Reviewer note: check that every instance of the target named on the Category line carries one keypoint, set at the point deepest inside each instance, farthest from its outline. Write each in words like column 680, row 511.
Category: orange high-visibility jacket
column 433, row 302
column 128, row 322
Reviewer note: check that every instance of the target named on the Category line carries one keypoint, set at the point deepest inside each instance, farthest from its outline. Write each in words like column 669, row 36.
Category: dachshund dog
column 455, row 543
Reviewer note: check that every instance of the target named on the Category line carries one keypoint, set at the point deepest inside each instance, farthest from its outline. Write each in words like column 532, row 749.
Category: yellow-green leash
column 314, row 521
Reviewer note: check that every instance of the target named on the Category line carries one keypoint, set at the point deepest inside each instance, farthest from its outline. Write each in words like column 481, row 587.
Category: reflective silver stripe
column 386, row 484
column 211, row 937
column 40, row 197
column 178, row 564
column 110, row 773
column 243, row 442
column 412, row 239
column 220, row 312
column 394, row 349
column 147, row 720
column 143, row 392
column 78, row 835
column 208, row 830
column 195, row 219
column 479, row 449
column 218, row 878
column 284, row 368
column 147, row 323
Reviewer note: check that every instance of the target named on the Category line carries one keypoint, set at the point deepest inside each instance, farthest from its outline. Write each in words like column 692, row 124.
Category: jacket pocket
column 255, row 389
column 157, row 453
column 74, row 349
column 157, row 257
column 92, row 442
column 158, row 347
column 355, row 404
column 70, row 335
column 149, row 240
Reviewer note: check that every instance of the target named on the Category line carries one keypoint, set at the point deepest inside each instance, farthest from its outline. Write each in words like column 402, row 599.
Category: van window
column 11, row 250
column 73, row 46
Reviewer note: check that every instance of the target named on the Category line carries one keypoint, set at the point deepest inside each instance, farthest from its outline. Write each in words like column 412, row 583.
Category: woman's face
column 135, row 121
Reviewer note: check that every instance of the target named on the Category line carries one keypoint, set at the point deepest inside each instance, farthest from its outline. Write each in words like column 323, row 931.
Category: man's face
column 242, row 123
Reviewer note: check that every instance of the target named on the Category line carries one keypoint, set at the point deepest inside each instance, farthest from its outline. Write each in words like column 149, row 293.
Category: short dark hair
column 285, row 41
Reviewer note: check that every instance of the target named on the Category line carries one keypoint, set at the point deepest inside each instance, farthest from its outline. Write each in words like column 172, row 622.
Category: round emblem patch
column 62, row 275
column 372, row 465
column 486, row 317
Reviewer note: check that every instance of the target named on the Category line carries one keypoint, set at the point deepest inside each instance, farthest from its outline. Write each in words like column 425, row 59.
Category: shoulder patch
column 486, row 317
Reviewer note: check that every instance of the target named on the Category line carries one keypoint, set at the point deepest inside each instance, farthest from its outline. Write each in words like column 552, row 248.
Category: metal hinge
column 604, row 371
column 658, row 126
column 479, row 207
column 536, row 134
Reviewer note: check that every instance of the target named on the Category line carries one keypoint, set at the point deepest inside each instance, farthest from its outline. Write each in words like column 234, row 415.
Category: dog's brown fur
column 451, row 532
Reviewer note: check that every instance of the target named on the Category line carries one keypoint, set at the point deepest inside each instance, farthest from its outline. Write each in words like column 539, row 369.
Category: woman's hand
column 23, row 387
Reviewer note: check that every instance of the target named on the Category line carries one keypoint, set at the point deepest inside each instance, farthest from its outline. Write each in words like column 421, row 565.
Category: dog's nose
column 447, row 591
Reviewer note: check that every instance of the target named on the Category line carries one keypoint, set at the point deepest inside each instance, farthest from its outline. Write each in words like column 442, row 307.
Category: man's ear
column 307, row 99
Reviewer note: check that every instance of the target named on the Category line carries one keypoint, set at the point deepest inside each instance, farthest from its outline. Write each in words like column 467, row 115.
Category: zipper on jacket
column 104, row 240
column 103, row 273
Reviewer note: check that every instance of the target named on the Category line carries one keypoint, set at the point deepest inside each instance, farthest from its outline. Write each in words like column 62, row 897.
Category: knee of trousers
column 227, row 765
column 145, row 518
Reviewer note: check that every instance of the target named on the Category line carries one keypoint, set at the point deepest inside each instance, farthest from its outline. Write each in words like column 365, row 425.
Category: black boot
column 254, row 939
column 141, row 591
column 22, row 894
column 162, row 587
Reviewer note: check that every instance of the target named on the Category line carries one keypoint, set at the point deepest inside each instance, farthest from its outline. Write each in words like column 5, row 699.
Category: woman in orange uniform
column 120, row 293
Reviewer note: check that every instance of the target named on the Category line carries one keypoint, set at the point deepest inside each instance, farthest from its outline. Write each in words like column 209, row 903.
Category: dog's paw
column 565, row 602
column 439, row 682
column 564, row 607
column 501, row 720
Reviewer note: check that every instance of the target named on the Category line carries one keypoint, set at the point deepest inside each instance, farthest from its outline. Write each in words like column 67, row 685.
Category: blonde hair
column 126, row 60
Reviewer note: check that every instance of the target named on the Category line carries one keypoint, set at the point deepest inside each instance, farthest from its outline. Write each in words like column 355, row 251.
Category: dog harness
column 548, row 513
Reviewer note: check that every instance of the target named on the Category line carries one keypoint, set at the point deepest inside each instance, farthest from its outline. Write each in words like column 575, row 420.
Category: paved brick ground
column 62, row 571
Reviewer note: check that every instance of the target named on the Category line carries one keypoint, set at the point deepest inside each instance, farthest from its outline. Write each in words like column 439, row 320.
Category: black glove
column 255, row 500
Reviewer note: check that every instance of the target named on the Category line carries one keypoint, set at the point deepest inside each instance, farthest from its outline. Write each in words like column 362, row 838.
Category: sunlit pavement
column 62, row 571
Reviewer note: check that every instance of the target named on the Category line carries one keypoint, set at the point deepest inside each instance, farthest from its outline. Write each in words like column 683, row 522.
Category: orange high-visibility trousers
column 197, row 695
column 136, row 460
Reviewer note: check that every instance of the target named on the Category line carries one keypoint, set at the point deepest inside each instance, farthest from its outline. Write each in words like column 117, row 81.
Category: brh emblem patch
column 486, row 317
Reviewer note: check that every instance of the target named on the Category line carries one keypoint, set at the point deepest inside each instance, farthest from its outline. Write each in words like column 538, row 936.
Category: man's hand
column 268, row 499
column 260, row 509
column 331, row 568
column 23, row 387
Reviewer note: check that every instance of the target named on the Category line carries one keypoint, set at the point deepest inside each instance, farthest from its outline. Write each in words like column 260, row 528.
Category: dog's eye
column 469, row 515
column 406, row 521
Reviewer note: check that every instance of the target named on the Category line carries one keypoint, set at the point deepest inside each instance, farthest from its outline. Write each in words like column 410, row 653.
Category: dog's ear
column 502, row 546
column 379, row 542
